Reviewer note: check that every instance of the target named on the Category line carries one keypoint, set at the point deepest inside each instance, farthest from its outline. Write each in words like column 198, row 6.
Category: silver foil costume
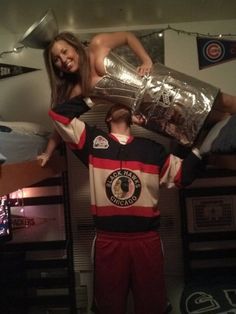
column 171, row 102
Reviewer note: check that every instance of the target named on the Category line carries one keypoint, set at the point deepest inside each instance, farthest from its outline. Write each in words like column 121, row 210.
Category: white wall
column 24, row 97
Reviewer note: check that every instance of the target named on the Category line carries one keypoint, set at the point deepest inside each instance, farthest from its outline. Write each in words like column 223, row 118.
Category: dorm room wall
column 24, row 97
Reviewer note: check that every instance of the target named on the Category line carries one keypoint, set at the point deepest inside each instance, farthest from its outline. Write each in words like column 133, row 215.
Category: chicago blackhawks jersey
column 124, row 179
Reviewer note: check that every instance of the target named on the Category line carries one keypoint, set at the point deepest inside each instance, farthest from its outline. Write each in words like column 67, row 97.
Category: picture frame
column 209, row 210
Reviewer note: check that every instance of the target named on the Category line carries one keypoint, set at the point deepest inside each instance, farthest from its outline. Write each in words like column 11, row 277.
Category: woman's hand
column 145, row 68
column 52, row 144
column 43, row 159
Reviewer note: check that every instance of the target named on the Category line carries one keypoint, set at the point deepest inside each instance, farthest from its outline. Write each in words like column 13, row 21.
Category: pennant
column 212, row 51
column 9, row 70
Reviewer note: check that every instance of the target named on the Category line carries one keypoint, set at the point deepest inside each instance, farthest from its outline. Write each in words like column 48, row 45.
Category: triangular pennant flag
column 212, row 51
column 9, row 70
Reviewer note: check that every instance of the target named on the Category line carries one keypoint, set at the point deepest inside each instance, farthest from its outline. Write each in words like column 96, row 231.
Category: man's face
column 120, row 116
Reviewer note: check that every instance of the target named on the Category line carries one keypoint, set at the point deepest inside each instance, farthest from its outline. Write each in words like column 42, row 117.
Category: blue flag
column 212, row 51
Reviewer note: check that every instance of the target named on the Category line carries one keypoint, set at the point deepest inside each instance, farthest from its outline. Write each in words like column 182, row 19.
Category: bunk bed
column 222, row 161
column 209, row 231
column 36, row 262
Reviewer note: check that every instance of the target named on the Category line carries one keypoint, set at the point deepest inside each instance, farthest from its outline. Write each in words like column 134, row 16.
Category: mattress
column 21, row 141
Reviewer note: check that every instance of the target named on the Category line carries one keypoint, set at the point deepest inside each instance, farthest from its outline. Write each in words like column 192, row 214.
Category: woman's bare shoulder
column 108, row 40
column 98, row 40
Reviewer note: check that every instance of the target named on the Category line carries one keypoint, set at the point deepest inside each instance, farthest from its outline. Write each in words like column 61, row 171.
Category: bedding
column 226, row 140
column 21, row 141
column 25, row 127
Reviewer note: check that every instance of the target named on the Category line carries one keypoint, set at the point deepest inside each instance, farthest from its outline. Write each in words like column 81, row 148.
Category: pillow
column 2, row 158
column 4, row 128
column 26, row 127
column 225, row 142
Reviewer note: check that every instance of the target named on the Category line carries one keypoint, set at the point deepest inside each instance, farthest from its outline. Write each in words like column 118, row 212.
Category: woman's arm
column 102, row 44
column 52, row 144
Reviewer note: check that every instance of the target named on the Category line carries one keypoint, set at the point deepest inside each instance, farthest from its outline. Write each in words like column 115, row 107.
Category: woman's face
column 65, row 57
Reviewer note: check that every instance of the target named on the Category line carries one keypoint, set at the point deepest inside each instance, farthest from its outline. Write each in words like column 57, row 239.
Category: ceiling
column 18, row 15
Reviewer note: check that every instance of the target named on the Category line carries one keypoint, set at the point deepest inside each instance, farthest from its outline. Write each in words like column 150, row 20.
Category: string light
column 22, row 202
column 4, row 216
column 17, row 198
column 161, row 32
column 14, row 50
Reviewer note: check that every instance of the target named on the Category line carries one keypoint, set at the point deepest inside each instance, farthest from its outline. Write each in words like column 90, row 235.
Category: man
column 125, row 175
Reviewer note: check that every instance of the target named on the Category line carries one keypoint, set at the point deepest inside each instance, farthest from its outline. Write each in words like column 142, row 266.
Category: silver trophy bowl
column 41, row 33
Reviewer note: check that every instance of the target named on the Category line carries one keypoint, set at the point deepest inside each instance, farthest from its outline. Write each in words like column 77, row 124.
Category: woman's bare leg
column 223, row 108
column 225, row 103
column 213, row 118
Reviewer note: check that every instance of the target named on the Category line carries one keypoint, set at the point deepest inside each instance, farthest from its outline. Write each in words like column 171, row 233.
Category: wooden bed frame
column 221, row 161
column 19, row 175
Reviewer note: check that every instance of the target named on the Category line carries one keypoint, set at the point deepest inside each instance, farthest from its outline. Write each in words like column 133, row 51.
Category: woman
column 164, row 100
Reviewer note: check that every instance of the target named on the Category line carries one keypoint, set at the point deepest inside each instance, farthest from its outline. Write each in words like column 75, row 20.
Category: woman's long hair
column 62, row 85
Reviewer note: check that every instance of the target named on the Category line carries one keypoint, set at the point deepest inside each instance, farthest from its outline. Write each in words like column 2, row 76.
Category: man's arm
column 191, row 167
column 66, row 121
column 180, row 172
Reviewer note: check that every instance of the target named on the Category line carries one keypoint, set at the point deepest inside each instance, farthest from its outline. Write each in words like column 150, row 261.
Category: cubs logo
column 100, row 142
column 214, row 51
column 123, row 188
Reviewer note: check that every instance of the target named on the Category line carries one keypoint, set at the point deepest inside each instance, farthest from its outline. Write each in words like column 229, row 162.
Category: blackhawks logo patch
column 100, row 142
column 123, row 188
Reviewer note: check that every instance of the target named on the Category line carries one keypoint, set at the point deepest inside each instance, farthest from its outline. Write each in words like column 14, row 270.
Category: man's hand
column 138, row 119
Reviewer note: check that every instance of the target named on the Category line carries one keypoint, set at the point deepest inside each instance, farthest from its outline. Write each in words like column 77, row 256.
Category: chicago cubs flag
column 9, row 70
column 212, row 51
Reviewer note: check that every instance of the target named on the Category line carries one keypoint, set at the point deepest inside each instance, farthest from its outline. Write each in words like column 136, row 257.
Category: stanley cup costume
column 171, row 103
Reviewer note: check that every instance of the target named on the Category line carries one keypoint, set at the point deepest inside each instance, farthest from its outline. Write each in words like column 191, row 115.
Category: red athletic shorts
column 130, row 261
